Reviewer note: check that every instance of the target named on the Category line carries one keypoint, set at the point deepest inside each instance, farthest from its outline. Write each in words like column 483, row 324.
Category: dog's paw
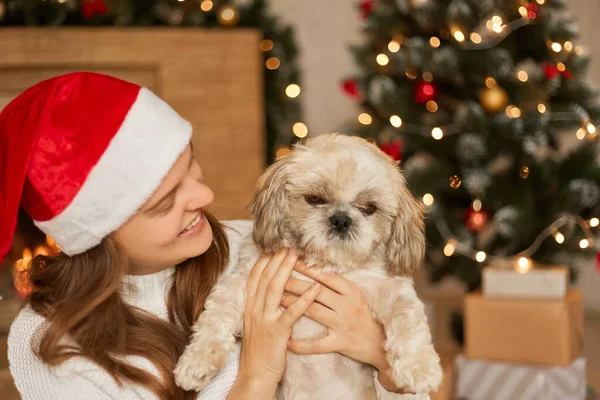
column 199, row 364
column 420, row 372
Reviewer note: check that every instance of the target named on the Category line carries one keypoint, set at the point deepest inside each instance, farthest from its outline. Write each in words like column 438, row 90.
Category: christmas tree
column 281, row 73
column 486, row 105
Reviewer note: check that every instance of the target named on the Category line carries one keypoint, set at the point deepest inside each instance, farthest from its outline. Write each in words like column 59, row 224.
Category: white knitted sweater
column 78, row 378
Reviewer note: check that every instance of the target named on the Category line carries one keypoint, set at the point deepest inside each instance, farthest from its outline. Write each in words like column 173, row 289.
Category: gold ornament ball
column 493, row 99
column 524, row 172
column 455, row 182
column 229, row 15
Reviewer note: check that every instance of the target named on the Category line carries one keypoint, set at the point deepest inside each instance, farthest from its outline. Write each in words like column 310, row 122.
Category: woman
column 105, row 168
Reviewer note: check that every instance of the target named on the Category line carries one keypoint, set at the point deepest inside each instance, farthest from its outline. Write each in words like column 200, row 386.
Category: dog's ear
column 269, row 206
column 406, row 246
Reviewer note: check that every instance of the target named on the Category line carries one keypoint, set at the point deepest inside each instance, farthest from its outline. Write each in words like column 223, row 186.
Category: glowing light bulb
column 490, row 82
column 541, row 108
column 432, row 106
column 594, row 222
column 292, row 91
column 591, row 128
column 365, row 119
column 523, row 265
column 394, row 46
column 382, row 59
column 584, row 243
column 523, row 11
column 396, row 121
column 568, row 46
column 475, row 37
column 559, row 237
column 459, row 35
column 480, row 256
column 477, row 205
column 496, row 19
column 427, row 76
column 427, row 199
column 449, row 248
column 522, row 76
column 581, row 133
column 556, row 47
column 206, row 5
column 434, row 42
column 266, row 45
column 437, row 133
column 300, row 129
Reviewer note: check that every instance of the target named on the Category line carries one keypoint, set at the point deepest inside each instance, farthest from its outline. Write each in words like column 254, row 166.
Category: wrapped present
column 526, row 281
column 487, row 380
column 548, row 332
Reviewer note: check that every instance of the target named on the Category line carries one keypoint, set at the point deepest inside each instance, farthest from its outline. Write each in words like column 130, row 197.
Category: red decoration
column 365, row 8
column 532, row 10
column 476, row 220
column 598, row 261
column 393, row 149
column 551, row 70
column 425, row 91
column 93, row 7
column 350, row 87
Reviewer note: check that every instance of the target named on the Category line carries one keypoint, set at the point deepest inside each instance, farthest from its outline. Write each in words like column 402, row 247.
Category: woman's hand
column 352, row 330
column 267, row 329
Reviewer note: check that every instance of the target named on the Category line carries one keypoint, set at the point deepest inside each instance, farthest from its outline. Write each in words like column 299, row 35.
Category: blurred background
column 489, row 105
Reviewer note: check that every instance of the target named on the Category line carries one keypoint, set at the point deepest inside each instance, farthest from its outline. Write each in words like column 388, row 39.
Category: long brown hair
column 80, row 297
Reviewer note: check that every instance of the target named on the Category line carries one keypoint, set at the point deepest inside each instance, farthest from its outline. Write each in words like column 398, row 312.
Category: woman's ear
column 270, row 206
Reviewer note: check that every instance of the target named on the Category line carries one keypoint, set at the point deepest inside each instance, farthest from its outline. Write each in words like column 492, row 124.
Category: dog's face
column 340, row 200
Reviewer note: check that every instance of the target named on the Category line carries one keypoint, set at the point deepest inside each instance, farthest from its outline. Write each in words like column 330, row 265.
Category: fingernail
column 315, row 286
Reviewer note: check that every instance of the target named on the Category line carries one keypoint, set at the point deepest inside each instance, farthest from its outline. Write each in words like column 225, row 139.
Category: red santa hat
column 82, row 153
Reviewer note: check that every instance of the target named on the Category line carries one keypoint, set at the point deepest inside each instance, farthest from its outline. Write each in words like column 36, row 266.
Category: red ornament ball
column 476, row 220
column 425, row 91
column 350, row 87
column 366, row 7
column 532, row 10
column 393, row 149
column 90, row 8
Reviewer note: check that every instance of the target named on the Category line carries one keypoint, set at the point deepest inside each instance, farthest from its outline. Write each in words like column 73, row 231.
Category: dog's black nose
column 341, row 222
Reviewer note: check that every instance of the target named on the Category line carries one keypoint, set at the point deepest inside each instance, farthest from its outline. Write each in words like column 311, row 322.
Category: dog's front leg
column 215, row 331
column 409, row 349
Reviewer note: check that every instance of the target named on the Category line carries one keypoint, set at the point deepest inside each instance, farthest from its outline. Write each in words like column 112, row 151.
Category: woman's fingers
column 299, row 307
column 327, row 297
column 255, row 274
column 316, row 311
column 333, row 281
column 321, row 345
column 277, row 284
column 267, row 274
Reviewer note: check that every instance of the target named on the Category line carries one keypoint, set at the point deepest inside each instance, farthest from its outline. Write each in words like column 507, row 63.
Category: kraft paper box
column 486, row 380
column 548, row 332
column 539, row 282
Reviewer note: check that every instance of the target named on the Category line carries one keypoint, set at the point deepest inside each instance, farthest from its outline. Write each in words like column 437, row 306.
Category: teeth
column 193, row 223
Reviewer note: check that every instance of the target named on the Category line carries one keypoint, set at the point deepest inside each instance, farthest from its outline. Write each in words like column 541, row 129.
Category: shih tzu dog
column 345, row 206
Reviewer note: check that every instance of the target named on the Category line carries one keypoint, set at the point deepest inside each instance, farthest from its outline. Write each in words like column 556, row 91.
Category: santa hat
column 82, row 153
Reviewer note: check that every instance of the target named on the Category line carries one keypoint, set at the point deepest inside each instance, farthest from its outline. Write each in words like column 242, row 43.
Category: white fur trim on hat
column 147, row 145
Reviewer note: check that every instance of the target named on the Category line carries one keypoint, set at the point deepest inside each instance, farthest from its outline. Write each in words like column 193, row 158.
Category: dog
column 345, row 206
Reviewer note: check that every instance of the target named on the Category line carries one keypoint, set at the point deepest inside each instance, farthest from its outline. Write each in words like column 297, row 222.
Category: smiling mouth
column 194, row 222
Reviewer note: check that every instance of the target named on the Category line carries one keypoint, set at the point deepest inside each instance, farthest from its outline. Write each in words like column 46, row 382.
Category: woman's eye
column 314, row 200
column 369, row 209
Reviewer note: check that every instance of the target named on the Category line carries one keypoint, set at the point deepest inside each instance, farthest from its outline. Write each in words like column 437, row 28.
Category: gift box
column 528, row 281
column 487, row 380
column 534, row 331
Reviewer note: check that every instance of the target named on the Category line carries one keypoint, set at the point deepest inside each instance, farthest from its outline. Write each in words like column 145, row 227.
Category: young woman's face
column 171, row 226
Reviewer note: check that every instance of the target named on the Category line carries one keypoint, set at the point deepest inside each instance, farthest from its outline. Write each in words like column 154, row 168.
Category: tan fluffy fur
column 380, row 253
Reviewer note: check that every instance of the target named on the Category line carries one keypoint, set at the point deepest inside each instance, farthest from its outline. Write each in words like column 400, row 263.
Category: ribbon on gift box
column 485, row 380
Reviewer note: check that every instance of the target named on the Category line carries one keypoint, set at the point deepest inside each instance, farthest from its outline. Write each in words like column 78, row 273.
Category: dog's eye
column 369, row 209
column 314, row 200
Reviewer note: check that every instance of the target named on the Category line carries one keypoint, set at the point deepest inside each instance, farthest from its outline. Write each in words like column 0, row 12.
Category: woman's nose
column 199, row 195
